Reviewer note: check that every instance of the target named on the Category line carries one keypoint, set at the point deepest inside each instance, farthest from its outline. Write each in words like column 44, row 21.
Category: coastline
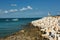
column 35, row 30
column 28, row 33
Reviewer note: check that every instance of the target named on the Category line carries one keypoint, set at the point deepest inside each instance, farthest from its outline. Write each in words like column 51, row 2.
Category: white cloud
column 5, row 11
column 13, row 4
column 13, row 10
column 16, row 10
column 26, row 8
column 23, row 9
column 29, row 7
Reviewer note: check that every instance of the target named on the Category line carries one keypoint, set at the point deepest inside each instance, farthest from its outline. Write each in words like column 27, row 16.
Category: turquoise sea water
column 11, row 25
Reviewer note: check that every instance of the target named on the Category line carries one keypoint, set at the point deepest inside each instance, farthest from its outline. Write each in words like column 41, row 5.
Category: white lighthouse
column 49, row 14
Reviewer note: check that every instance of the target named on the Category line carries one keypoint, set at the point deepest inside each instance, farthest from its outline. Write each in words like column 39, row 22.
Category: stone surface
column 50, row 25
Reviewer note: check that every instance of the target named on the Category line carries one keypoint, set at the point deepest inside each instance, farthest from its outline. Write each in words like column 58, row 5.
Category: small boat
column 15, row 19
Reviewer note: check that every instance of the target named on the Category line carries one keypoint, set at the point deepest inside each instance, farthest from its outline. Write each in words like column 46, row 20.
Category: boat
column 15, row 19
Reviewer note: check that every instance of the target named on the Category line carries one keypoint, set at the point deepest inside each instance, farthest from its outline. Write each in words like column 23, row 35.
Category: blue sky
column 28, row 8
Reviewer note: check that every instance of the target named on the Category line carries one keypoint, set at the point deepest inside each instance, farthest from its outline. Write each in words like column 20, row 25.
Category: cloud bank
column 16, row 10
column 6, row 11
column 13, row 10
column 26, row 8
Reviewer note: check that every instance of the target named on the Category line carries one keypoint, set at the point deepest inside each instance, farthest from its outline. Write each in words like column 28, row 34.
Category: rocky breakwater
column 49, row 26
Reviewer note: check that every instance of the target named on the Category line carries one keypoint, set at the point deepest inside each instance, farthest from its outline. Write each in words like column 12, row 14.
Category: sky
column 28, row 8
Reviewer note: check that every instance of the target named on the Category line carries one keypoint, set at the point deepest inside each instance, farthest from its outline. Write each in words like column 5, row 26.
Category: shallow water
column 9, row 26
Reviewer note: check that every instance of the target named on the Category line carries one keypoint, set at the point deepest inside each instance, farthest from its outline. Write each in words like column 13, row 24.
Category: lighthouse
column 49, row 14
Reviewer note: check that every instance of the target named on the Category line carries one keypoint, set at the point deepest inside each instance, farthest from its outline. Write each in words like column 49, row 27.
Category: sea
column 12, row 25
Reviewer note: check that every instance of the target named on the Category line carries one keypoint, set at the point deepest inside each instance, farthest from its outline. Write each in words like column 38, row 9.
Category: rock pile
column 47, row 22
column 50, row 25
